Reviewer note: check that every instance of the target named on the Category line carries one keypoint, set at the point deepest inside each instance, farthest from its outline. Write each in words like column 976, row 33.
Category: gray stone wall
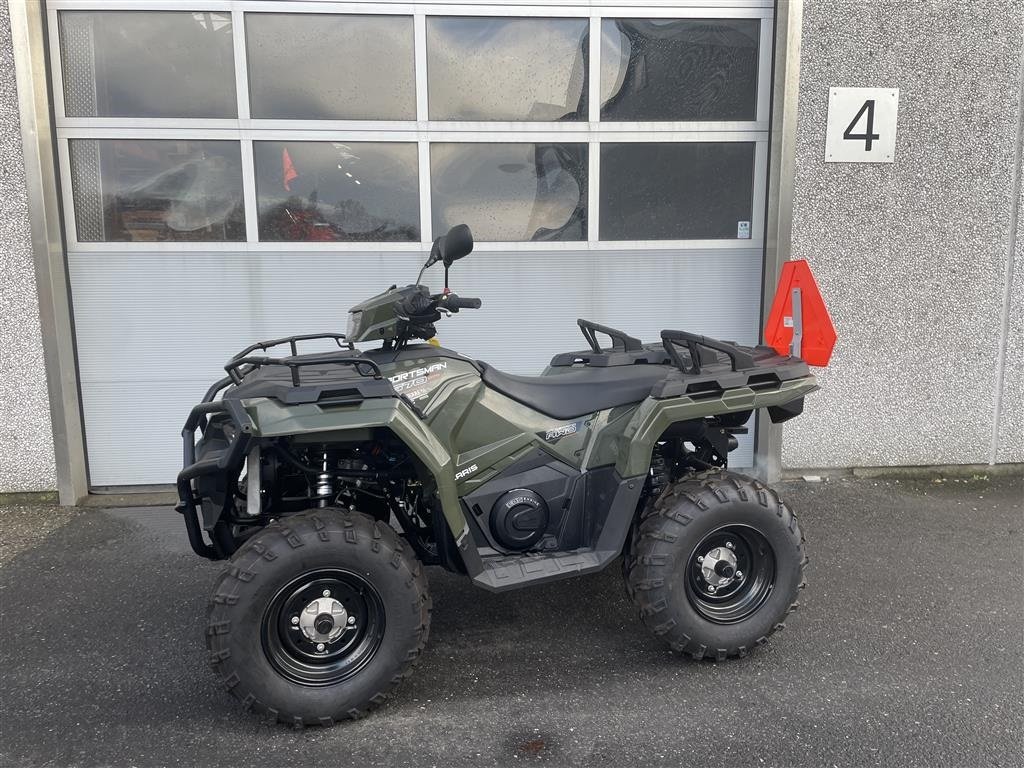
column 912, row 257
column 25, row 432
column 1011, row 415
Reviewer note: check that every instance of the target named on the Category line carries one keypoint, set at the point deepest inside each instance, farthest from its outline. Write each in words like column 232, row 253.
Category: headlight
column 353, row 325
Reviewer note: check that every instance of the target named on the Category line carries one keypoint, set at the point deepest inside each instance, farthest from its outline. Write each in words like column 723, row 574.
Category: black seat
column 577, row 393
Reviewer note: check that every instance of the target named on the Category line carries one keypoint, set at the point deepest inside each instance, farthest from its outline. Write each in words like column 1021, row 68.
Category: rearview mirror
column 454, row 245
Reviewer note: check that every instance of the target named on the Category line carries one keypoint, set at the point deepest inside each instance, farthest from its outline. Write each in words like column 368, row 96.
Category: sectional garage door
column 234, row 171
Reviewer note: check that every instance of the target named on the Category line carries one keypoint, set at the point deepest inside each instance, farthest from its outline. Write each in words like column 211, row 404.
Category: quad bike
column 328, row 480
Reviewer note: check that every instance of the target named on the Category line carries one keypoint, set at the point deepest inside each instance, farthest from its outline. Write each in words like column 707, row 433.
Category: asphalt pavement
column 906, row 651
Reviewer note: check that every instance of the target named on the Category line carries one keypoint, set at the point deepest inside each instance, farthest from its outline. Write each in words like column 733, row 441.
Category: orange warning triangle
column 819, row 335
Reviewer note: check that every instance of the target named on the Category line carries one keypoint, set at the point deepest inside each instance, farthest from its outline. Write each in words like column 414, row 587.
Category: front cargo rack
column 242, row 364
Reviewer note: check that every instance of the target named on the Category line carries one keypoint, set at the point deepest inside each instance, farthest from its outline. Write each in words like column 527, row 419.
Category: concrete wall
column 913, row 257
column 1011, row 422
column 25, row 433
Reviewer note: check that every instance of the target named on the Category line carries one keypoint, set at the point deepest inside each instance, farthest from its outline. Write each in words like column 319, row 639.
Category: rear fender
column 653, row 417
column 271, row 419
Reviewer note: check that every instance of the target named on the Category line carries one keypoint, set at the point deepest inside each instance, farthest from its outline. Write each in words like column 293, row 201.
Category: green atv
column 328, row 480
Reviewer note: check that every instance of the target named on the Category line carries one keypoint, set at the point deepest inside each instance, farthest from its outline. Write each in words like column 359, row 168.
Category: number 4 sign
column 861, row 125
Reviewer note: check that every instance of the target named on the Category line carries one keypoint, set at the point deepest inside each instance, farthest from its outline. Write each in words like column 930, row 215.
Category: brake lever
column 440, row 305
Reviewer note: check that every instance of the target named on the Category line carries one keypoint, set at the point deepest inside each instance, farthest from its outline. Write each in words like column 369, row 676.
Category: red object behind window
column 288, row 172
column 819, row 335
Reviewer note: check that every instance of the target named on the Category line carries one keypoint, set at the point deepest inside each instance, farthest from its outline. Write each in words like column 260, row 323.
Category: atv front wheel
column 318, row 617
column 715, row 565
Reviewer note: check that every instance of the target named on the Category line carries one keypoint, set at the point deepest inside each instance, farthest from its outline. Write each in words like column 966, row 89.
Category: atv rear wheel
column 715, row 564
column 318, row 617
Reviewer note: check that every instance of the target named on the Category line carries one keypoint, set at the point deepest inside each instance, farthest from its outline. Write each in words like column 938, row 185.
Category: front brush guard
column 227, row 461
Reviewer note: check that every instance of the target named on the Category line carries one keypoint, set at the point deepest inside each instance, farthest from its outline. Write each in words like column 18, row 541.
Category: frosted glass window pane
column 337, row 191
column 679, row 69
column 147, row 64
column 509, row 192
column 157, row 190
column 676, row 191
column 484, row 68
column 330, row 67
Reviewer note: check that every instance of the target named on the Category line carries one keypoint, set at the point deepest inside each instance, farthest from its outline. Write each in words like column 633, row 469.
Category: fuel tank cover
column 519, row 518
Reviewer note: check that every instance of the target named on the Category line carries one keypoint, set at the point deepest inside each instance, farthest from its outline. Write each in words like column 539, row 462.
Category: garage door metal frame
column 44, row 207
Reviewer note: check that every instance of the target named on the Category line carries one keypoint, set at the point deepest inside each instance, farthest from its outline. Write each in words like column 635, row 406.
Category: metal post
column 796, row 346
column 781, row 175
column 28, row 41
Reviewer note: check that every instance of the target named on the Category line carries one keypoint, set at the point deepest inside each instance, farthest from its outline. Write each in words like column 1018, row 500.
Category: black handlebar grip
column 456, row 303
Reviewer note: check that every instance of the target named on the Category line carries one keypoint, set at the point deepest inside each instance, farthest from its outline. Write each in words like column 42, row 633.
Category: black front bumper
column 226, row 462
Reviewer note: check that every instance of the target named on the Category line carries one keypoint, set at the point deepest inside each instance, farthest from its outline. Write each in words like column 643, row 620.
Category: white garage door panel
column 133, row 429
column 531, row 304
column 154, row 331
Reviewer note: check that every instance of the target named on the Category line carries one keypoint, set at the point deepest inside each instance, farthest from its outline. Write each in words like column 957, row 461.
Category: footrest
column 508, row 572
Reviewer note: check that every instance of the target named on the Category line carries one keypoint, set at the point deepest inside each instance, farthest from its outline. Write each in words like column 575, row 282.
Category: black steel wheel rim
column 297, row 657
column 740, row 597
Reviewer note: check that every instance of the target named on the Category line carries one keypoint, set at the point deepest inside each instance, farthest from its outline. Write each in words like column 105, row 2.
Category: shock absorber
column 324, row 485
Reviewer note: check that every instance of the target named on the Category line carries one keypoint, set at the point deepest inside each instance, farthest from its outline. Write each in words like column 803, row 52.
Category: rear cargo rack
column 625, row 350
column 242, row 364
column 708, row 374
column 620, row 340
column 739, row 358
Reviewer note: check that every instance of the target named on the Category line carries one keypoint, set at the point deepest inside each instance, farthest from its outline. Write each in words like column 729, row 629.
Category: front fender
column 271, row 419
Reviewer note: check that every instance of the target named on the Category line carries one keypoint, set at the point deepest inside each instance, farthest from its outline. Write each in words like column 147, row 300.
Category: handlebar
column 453, row 302
column 421, row 311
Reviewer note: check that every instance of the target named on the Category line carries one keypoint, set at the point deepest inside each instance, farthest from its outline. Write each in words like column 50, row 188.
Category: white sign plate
column 861, row 125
